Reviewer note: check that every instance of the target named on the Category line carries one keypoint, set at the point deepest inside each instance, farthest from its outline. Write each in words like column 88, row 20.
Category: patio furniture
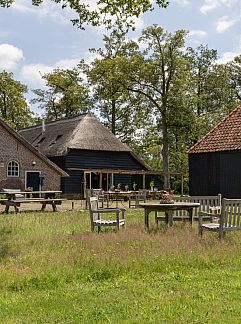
column 208, row 204
column 229, row 219
column 136, row 198
column 116, row 216
column 168, row 210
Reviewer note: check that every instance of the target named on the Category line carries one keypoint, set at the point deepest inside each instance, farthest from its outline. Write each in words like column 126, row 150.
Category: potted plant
column 134, row 186
column 152, row 185
column 118, row 187
column 126, row 187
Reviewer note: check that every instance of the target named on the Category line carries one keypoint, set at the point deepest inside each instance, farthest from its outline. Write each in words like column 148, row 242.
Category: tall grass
column 54, row 270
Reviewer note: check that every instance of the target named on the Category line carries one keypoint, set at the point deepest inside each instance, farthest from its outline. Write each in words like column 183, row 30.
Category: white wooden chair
column 96, row 213
column 229, row 219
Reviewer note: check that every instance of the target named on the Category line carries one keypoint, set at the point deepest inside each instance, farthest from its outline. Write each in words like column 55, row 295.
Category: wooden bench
column 208, row 204
column 16, row 203
column 229, row 219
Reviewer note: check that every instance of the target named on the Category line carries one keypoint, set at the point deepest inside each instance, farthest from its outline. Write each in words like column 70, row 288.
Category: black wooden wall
column 215, row 172
column 86, row 159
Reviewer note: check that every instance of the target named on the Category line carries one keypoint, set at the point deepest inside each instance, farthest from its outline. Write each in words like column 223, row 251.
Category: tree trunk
column 113, row 116
column 165, row 154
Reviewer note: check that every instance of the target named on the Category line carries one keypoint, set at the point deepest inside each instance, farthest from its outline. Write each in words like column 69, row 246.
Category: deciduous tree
column 13, row 105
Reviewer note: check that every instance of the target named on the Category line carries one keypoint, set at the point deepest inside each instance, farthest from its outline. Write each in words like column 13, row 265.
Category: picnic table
column 16, row 198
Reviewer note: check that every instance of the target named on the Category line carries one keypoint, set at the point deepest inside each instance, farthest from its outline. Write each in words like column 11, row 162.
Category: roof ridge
column 48, row 122
column 213, row 129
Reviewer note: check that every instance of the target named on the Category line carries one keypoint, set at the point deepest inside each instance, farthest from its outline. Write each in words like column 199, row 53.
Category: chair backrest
column 230, row 214
column 142, row 193
column 97, row 192
column 93, row 203
column 205, row 203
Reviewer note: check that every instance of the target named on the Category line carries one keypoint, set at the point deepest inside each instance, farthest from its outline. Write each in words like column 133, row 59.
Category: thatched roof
column 225, row 136
column 25, row 143
column 83, row 132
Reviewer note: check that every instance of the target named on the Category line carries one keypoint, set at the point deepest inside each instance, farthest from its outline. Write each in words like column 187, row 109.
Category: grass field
column 54, row 270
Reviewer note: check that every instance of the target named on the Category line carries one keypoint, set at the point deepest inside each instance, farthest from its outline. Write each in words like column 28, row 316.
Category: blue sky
column 37, row 40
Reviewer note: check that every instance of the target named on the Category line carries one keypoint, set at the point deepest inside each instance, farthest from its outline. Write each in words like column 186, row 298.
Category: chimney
column 43, row 126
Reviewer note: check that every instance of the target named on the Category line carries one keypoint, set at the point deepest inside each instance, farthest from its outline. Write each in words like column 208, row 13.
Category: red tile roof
column 226, row 136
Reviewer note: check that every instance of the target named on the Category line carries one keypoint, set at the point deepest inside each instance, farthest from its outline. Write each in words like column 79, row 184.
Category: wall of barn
column 88, row 159
column 215, row 172
column 12, row 149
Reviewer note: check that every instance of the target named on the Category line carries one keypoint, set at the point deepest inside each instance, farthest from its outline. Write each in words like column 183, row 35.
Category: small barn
column 215, row 160
column 91, row 155
column 22, row 166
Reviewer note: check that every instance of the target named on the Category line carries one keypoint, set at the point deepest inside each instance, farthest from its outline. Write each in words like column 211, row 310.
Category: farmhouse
column 91, row 155
column 215, row 160
column 22, row 166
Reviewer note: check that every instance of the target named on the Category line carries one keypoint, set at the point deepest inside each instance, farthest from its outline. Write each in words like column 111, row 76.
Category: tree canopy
column 13, row 106
column 107, row 12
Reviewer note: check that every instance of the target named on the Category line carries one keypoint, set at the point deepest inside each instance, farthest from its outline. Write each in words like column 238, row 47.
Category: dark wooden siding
column 101, row 160
column 73, row 183
column 214, row 173
column 204, row 174
column 230, row 175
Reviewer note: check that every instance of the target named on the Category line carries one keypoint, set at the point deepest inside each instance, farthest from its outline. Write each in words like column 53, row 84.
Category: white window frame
column 18, row 169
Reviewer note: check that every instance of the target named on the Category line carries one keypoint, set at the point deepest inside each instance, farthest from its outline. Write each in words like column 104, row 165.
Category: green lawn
column 54, row 270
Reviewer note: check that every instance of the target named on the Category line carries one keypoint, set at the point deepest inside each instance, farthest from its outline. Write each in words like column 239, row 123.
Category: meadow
column 54, row 270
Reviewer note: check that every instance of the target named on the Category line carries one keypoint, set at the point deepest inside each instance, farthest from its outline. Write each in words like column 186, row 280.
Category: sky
column 34, row 41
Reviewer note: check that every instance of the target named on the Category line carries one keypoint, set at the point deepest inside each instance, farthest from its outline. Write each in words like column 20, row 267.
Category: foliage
column 56, row 271
column 109, row 13
column 13, row 106
column 66, row 95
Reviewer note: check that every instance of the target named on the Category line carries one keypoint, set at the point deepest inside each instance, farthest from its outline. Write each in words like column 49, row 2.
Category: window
column 13, row 169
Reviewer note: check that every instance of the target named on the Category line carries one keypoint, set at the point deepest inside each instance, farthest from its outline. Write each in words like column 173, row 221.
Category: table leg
column 169, row 217
column 190, row 213
column 146, row 218
column 54, row 206
column 43, row 206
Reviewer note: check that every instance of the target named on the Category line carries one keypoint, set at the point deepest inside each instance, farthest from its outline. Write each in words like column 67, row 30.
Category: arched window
column 13, row 169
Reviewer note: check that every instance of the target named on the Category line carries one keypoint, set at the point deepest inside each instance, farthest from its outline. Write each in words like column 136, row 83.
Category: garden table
column 168, row 210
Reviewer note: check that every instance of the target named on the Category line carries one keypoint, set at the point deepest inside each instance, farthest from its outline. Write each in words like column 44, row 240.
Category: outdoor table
column 168, row 210
column 46, row 197
column 118, row 195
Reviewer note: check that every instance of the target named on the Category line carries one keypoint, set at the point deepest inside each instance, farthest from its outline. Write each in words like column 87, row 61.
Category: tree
column 104, row 12
column 66, row 94
column 157, row 74
column 13, row 106
column 118, row 107
column 234, row 69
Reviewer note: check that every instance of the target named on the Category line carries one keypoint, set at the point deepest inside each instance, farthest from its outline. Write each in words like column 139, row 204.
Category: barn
column 215, row 160
column 91, row 155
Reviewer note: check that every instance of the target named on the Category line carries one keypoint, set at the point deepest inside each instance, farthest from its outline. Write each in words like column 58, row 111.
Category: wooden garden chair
column 229, row 219
column 117, row 219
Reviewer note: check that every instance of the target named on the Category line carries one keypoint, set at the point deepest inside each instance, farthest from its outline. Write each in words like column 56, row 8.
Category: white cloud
column 198, row 33
column 230, row 55
column 227, row 57
column 48, row 9
column 10, row 56
column 182, row 3
column 224, row 23
column 209, row 5
column 32, row 73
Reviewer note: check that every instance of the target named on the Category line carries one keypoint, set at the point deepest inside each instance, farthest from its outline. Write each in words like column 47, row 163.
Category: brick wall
column 12, row 149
